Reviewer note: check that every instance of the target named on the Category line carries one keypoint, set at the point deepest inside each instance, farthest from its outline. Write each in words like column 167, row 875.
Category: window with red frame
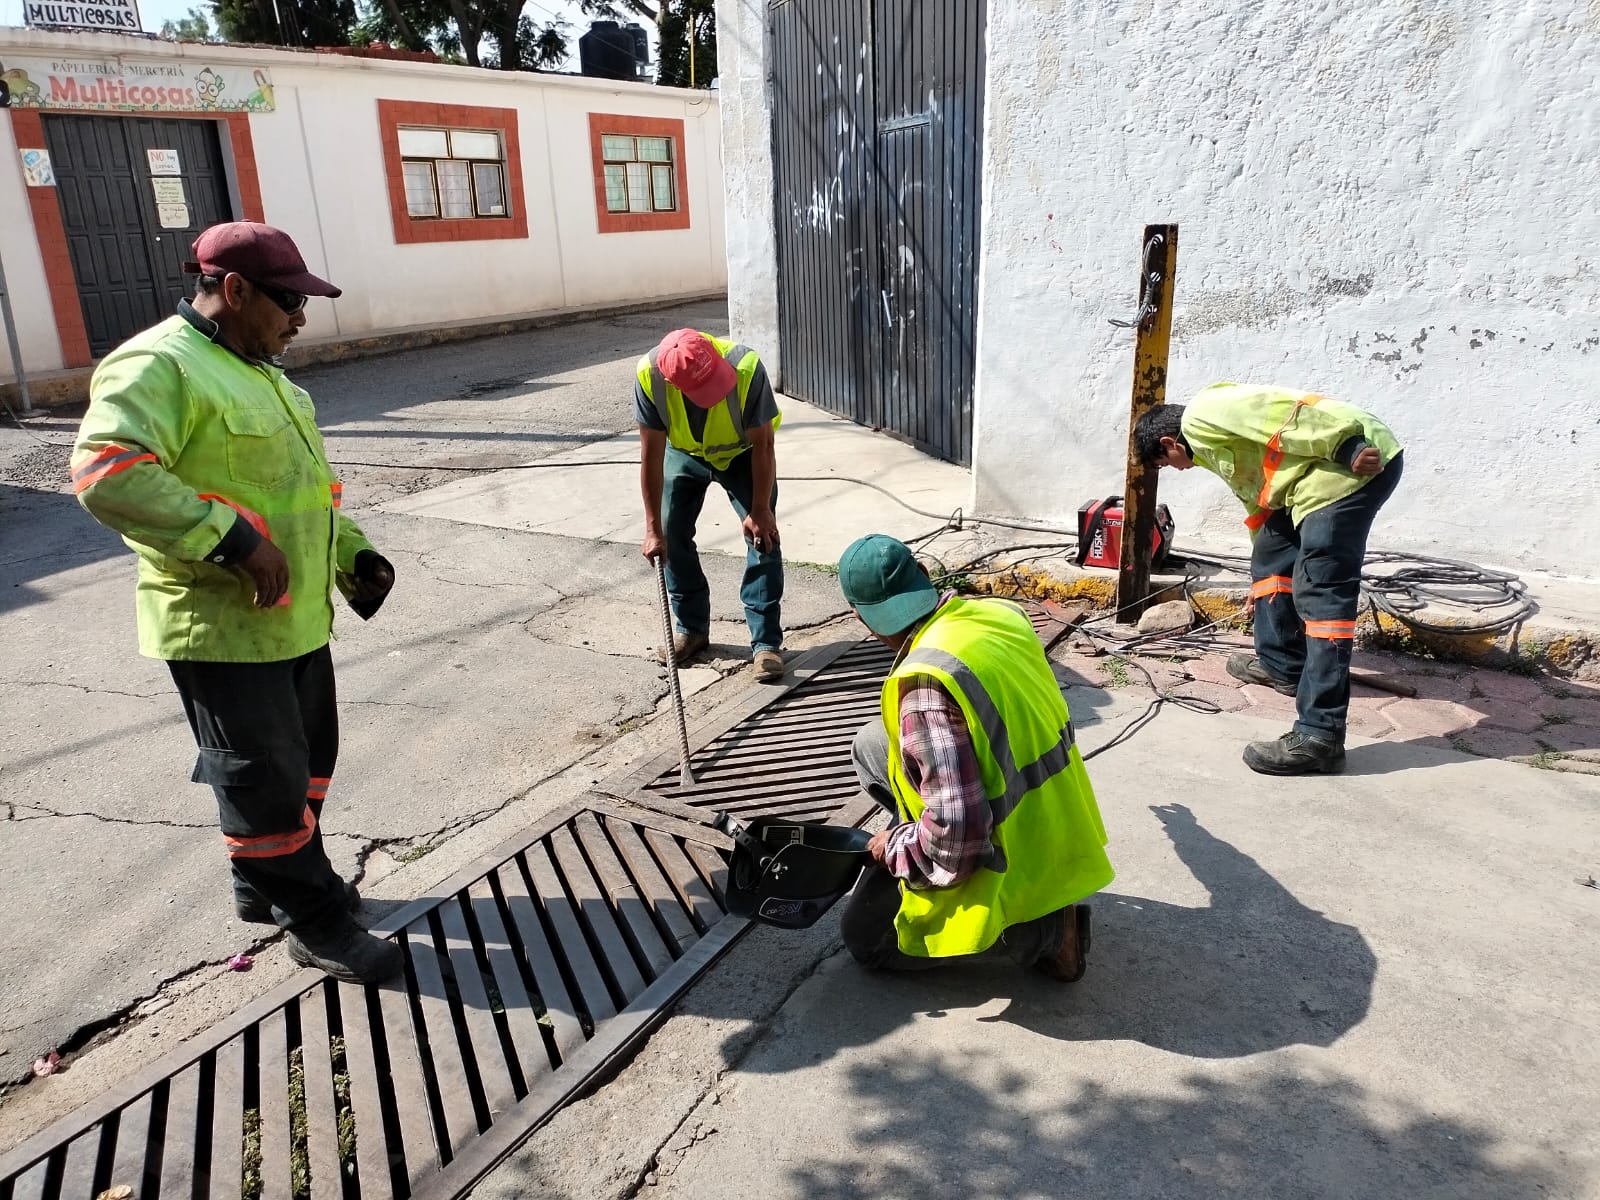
column 641, row 175
column 453, row 174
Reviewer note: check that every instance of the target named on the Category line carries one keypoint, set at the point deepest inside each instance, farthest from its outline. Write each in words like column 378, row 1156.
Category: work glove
column 368, row 586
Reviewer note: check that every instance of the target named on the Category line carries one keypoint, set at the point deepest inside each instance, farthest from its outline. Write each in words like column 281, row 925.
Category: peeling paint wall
column 1393, row 203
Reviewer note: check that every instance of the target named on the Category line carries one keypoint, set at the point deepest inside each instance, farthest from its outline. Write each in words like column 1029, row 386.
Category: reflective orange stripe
column 103, row 463
column 1256, row 520
column 318, row 789
column 336, row 489
column 273, row 845
column 1274, row 455
column 1271, row 586
column 1331, row 631
column 256, row 520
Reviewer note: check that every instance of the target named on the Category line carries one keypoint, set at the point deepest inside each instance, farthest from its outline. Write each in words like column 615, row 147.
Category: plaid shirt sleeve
column 951, row 840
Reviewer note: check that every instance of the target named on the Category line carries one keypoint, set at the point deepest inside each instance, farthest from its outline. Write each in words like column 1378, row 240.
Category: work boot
column 258, row 911
column 1295, row 753
column 767, row 665
column 684, row 647
column 1070, row 957
column 1247, row 668
column 347, row 952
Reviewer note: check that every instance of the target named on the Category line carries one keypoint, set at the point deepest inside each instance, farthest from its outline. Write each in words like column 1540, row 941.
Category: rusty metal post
column 1153, row 336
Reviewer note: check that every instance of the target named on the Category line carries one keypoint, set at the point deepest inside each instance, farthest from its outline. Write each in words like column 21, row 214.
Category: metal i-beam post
column 1153, row 336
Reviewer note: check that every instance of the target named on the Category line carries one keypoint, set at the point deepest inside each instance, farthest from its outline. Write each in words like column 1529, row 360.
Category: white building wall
column 752, row 236
column 1389, row 203
column 320, row 161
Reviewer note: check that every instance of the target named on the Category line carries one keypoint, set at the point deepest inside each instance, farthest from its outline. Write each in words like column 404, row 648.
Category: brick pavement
column 1538, row 720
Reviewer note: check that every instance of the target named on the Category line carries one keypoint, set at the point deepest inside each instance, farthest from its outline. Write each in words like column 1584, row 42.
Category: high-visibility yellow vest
column 1048, row 840
column 724, row 437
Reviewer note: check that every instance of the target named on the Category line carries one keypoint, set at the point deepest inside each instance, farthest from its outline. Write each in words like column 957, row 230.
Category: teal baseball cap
column 881, row 580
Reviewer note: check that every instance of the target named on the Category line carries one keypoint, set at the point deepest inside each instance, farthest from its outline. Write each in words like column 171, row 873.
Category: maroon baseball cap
column 695, row 367
column 260, row 253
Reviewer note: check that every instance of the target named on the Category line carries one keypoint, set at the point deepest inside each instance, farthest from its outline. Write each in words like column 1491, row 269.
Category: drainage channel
column 535, row 969
column 539, row 964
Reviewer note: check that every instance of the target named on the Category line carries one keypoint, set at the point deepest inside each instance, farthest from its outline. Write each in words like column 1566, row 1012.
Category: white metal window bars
column 453, row 174
column 641, row 176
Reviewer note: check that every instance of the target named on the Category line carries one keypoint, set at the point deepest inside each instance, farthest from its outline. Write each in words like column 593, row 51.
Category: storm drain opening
column 530, row 974
column 535, row 968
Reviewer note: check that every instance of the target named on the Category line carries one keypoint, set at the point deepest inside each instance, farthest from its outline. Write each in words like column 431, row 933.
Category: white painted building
column 1389, row 203
column 431, row 194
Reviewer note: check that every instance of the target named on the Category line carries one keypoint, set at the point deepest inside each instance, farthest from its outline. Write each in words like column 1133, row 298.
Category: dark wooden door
column 127, row 248
column 877, row 132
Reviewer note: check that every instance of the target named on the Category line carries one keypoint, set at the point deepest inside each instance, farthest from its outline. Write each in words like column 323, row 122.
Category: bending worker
column 1312, row 473
column 996, row 836
column 706, row 413
column 207, row 460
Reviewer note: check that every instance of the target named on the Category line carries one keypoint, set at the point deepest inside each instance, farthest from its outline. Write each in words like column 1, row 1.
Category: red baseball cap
column 695, row 367
column 260, row 253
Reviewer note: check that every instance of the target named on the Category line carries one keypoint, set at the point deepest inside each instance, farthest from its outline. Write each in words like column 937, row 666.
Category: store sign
column 116, row 16
column 111, row 85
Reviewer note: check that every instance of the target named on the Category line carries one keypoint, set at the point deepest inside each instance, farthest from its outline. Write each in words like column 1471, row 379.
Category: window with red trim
column 454, row 171
column 638, row 173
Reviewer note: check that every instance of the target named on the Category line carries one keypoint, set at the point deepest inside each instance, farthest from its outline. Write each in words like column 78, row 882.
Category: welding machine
column 1100, row 534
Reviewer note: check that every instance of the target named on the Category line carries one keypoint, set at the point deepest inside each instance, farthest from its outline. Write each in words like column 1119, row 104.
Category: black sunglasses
column 290, row 302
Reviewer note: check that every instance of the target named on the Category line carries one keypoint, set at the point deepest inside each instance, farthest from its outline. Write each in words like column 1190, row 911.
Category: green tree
column 194, row 27
column 459, row 27
column 287, row 22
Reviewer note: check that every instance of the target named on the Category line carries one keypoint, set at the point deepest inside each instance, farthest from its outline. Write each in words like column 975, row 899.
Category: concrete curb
column 57, row 389
column 1569, row 648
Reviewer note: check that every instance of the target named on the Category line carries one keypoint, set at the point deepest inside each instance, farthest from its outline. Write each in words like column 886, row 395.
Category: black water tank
column 607, row 52
column 641, row 43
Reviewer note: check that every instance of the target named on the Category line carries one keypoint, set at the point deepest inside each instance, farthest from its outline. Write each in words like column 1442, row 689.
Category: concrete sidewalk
column 1378, row 985
column 837, row 481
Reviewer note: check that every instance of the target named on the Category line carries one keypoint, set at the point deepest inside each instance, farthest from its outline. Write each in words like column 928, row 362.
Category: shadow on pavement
column 43, row 533
column 945, row 1135
column 1255, row 970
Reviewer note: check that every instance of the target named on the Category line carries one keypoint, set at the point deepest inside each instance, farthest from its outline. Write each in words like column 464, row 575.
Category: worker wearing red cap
column 199, row 451
column 706, row 414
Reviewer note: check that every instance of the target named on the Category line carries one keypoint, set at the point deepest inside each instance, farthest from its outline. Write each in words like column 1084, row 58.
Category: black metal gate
column 877, row 134
column 134, row 191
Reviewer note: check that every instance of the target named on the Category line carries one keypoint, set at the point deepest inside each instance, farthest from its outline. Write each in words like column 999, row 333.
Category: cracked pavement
column 502, row 661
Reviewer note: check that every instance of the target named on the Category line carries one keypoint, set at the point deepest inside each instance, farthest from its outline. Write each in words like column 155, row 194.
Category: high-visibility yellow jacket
column 181, row 437
column 1274, row 447
column 1048, row 838
column 724, row 437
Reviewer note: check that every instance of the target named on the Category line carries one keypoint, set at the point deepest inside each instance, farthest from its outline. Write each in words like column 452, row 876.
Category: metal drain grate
column 540, row 964
column 787, row 753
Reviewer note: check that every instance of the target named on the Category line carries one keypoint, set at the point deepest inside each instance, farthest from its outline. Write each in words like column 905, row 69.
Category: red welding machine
column 1100, row 534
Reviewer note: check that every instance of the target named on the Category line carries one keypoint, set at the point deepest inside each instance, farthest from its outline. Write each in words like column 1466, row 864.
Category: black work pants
column 268, row 735
column 1308, row 593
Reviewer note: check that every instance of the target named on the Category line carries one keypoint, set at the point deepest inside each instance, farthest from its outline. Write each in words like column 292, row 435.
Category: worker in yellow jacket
column 199, row 451
column 995, row 838
column 1313, row 473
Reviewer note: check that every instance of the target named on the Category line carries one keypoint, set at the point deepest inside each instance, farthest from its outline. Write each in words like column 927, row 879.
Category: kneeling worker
column 998, row 837
column 706, row 413
column 1313, row 473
